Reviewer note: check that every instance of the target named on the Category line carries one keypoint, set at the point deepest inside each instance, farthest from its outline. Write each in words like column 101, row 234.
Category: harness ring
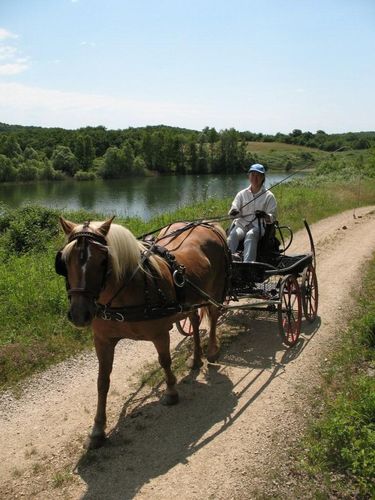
column 179, row 278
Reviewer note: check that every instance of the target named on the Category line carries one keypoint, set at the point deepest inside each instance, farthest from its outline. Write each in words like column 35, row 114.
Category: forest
column 29, row 153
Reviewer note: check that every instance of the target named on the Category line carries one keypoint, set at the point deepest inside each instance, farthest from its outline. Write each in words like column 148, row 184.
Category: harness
column 149, row 311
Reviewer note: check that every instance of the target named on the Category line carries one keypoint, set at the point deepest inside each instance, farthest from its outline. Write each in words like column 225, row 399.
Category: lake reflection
column 143, row 197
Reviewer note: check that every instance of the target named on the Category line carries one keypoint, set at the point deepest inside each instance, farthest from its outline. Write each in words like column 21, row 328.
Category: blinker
column 60, row 266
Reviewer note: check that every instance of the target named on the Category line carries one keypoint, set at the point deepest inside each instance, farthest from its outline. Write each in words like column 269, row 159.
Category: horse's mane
column 124, row 249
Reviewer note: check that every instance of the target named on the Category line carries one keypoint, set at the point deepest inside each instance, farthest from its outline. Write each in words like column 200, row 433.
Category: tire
column 310, row 293
column 290, row 310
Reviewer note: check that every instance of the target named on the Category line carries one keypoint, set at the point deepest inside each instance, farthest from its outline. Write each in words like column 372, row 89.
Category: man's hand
column 262, row 215
column 234, row 212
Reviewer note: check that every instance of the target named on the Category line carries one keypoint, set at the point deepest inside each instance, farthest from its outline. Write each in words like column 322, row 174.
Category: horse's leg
column 162, row 345
column 212, row 348
column 105, row 350
column 196, row 360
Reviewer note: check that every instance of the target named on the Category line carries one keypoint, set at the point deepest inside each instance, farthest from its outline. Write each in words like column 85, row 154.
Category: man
column 245, row 205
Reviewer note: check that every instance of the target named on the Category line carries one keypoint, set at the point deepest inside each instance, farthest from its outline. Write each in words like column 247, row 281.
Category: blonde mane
column 124, row 250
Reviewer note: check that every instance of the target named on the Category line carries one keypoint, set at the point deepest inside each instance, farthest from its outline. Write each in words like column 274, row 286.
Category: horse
column 127, row 288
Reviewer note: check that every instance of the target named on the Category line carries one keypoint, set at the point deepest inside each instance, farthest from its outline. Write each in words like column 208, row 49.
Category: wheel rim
column 185, row 327
column 290, row 312
column 310, row 294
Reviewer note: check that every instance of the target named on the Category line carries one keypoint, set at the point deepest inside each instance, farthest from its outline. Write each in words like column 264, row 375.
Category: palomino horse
column 125, row 288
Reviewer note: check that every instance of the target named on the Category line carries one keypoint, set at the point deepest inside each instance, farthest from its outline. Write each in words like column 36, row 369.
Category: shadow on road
column 149, row 439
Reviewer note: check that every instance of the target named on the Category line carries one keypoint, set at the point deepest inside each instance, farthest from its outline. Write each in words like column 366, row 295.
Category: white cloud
column 90, row 44
column 15, row 68
column 54, row 108
column 6, row 51
column 11, row 62
column 4, row 34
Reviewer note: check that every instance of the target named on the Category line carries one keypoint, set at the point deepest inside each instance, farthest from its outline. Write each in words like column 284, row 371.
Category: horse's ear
column 67, row 225
column 104, row 228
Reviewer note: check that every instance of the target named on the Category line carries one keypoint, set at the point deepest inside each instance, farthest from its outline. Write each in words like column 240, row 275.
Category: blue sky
column 265, row 66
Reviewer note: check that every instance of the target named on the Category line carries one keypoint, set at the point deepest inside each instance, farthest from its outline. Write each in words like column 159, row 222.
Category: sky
column 265, row 66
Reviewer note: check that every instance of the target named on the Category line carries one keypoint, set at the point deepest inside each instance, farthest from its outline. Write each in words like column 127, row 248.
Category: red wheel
column 185, row 327
column 310, row 294
column 290, row 310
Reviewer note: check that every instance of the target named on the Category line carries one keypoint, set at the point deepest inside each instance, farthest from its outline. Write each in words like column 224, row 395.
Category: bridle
column 83, row 239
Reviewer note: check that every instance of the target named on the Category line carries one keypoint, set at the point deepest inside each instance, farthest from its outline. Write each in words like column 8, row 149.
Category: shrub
column 81, row 175
column 27, row 173
column 27, row 228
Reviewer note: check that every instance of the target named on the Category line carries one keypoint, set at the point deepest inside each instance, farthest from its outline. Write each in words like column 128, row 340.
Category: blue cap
column 257, row 167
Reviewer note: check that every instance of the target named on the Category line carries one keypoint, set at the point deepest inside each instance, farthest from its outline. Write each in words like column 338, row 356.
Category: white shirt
column 247, row 203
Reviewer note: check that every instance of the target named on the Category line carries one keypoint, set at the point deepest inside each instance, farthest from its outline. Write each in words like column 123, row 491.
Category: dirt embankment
column 235, row 419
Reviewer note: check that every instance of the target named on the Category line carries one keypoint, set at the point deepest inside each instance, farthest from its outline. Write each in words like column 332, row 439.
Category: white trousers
column 251, row 238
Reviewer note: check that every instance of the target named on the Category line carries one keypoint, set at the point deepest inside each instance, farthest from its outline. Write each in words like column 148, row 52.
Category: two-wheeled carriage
column 128, row 287
column 276, row 282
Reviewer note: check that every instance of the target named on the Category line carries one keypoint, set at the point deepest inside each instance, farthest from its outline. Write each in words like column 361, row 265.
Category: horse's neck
column 130, row 290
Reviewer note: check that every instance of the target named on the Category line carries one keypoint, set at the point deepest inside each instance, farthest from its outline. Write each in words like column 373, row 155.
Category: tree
column 64, row 160
column 296, row 132
column 127, row 158
column 193, row 156
column 30, row 153
column 112, row 164
column 11, row 147
column 202, row 164
column 361, row 143
column 230, row 157
column 179, row 154
column 84, row 151
column 7, row 172
column 139, row 166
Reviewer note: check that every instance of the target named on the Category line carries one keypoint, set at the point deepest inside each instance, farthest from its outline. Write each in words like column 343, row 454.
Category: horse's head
column 84, row 261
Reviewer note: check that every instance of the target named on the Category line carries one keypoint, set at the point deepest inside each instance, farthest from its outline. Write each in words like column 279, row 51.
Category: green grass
column 35, row 331
column 341, row 442
column 33, row 302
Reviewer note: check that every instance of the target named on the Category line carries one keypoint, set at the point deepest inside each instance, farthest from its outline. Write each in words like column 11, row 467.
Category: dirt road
column 235, row 420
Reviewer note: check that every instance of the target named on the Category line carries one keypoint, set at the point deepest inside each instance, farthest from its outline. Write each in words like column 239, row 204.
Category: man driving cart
column 248, row 206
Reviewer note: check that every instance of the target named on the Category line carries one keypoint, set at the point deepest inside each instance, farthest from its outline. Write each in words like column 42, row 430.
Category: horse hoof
column 169, row 399
column 95, row 442
column 194, row 364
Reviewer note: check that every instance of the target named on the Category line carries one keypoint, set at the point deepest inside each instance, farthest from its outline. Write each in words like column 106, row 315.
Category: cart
column 282, row 284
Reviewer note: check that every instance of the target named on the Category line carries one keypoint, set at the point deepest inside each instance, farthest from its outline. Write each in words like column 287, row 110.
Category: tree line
column 37, row 153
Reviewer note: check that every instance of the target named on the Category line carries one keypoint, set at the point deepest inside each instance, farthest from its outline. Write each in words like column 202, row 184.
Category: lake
column 139, row 196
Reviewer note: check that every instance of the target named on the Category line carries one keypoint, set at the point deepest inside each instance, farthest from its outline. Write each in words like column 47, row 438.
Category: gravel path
column 235, row 418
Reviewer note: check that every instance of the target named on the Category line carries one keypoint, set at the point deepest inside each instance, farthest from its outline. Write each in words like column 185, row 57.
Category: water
column 143, row 197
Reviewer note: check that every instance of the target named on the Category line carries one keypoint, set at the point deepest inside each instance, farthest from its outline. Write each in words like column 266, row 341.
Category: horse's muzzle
column 81, row 312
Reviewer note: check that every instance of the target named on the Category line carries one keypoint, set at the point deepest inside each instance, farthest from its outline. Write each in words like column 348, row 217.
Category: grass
column 340, row 445
column 61, row 478
column 35, row 330
column 33, row 300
